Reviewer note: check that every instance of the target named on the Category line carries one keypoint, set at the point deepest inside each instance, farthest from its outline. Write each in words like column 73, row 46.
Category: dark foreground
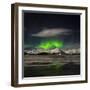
column 35, row 66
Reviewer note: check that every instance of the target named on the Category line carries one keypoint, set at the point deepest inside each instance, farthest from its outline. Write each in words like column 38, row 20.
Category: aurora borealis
column 50, row 44
column 51, row 30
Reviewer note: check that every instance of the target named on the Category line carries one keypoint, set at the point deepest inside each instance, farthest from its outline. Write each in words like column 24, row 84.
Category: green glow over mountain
column 50, row 44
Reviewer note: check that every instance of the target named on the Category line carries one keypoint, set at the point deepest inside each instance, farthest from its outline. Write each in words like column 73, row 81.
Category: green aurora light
column 50, row 44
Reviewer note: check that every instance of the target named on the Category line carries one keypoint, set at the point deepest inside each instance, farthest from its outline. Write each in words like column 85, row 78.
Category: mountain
column 39, row 51
column 72, row 51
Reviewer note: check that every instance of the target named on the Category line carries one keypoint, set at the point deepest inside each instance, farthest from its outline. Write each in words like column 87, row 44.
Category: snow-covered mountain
column 52, row 51
column 72, row 51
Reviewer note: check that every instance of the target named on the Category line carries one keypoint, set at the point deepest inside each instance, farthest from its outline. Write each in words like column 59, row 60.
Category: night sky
column 43, row 27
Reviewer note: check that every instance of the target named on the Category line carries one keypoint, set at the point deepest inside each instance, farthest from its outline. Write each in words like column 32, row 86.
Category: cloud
column 52, row 32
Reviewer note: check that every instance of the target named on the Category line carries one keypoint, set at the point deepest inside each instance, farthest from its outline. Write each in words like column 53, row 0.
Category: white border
column 51, row 78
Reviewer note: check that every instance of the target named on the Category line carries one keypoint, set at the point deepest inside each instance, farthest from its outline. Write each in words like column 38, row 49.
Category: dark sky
column 44, row 26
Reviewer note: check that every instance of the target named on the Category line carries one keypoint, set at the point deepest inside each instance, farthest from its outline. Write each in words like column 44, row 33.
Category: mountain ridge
column 58, row 51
